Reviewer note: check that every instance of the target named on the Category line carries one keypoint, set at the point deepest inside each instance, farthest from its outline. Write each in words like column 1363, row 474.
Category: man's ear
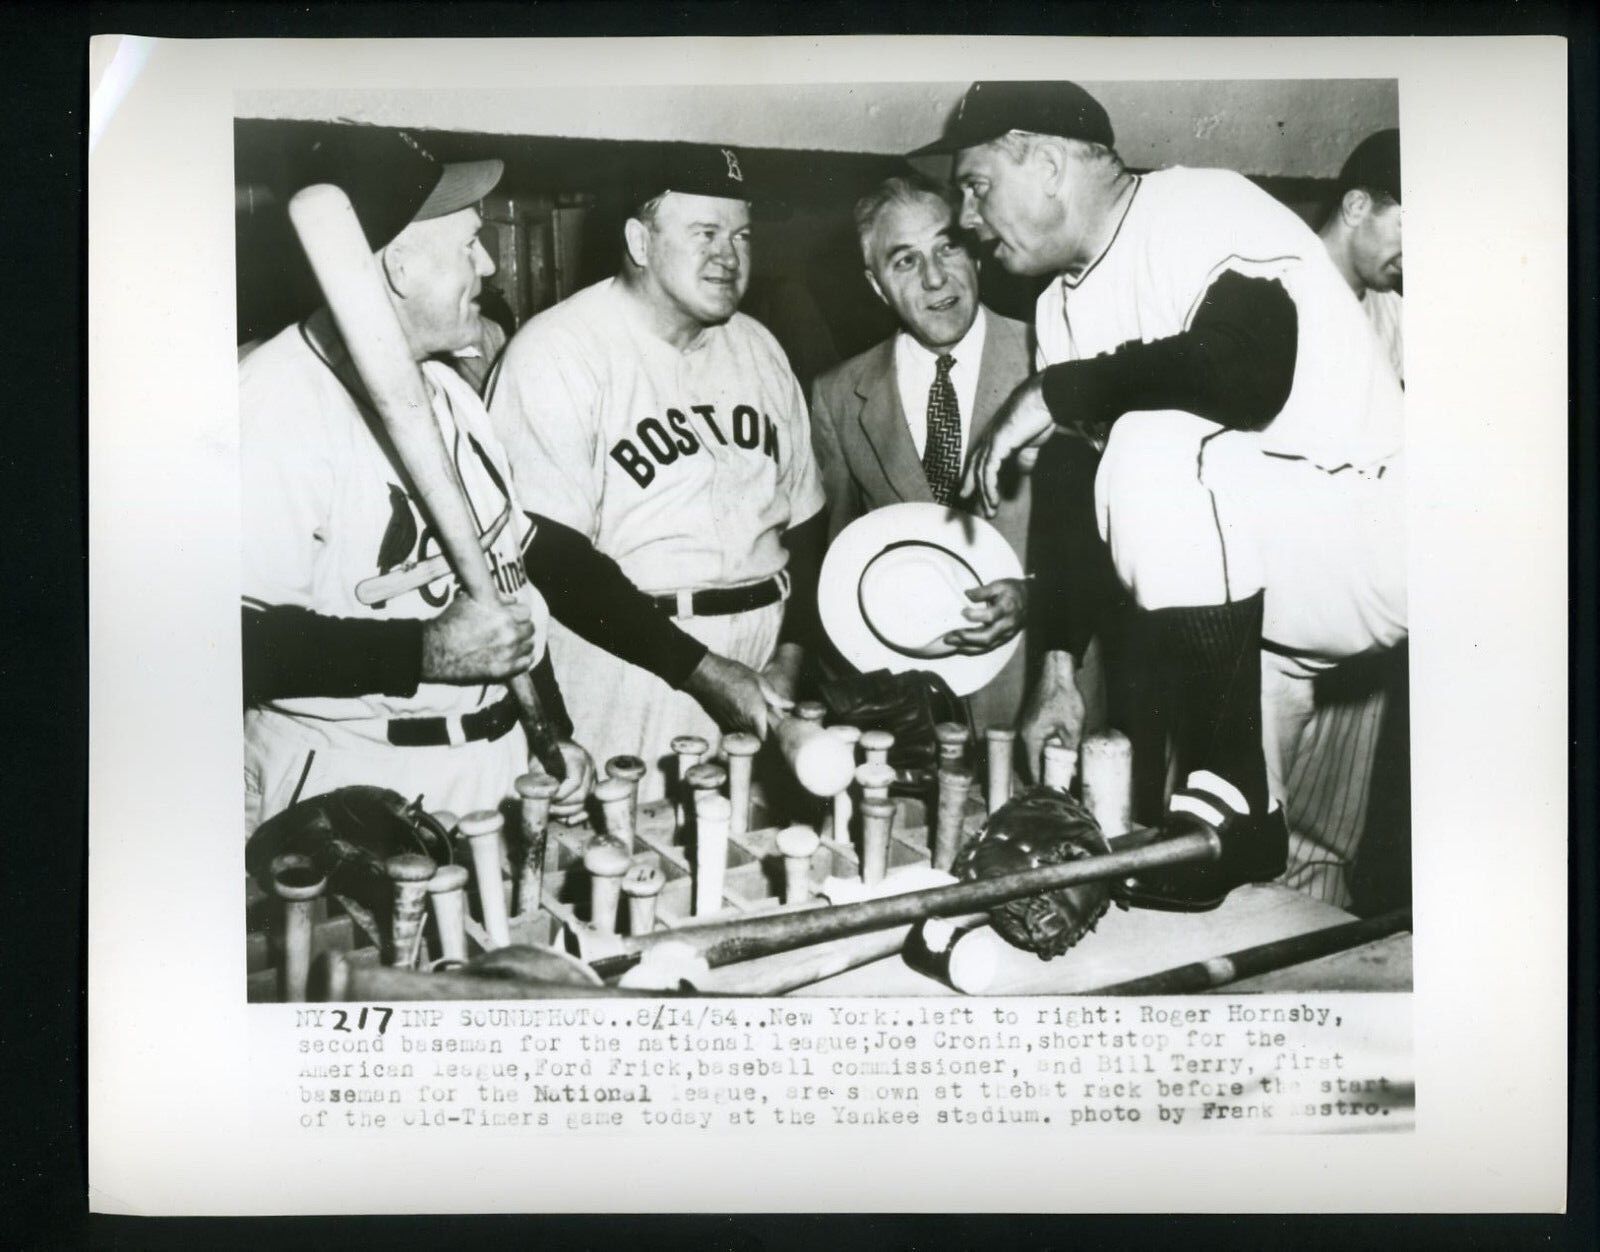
column 1355, row 207
column 1050, row 158
column 872, row 281
column 393, row 261
column 636, row 238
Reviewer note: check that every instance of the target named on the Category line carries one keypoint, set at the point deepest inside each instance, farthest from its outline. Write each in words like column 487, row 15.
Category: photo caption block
column 1335, row 1063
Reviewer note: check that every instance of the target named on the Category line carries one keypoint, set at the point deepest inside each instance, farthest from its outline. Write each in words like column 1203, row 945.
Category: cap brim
column 939, row 147
column 839, row 604
column 461, row 184
column 955, row 141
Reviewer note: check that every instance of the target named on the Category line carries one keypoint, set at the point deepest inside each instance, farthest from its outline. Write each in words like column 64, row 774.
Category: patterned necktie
column 941, row 457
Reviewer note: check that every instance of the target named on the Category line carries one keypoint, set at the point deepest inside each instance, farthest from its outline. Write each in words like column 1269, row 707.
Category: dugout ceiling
column 1276, row 129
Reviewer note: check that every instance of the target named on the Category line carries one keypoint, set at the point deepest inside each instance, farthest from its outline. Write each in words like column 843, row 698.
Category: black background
column 44, row 704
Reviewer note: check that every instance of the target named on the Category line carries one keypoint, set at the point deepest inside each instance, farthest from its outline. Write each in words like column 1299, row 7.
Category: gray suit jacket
column 864, row 451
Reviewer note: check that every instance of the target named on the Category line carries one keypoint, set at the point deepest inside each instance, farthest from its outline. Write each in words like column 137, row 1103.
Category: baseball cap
column 694, row 170
column 989, row 110
column 391, row 179
column 1375, row 165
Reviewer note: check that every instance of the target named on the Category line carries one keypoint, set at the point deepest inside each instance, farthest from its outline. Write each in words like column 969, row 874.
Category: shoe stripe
column 1195, row 806
column 1221, row 788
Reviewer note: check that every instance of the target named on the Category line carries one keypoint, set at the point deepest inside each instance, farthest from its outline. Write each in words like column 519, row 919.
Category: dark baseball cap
column 989, row 110
column 1375, row 165
column 693, row 170
column 391, row 179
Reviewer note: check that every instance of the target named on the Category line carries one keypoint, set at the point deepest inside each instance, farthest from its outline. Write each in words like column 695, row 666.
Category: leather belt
column 436, row 732
column 724, row 601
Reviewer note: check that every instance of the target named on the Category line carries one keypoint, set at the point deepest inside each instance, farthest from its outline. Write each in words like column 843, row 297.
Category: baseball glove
column 1039, row 826
column 348, row 834
column 908, row 705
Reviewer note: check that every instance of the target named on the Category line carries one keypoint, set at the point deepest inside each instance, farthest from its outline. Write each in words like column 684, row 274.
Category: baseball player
column 1362, row 236
column 361, row 663
column 1331, row 779
column 1250, row 487
column 648, row 414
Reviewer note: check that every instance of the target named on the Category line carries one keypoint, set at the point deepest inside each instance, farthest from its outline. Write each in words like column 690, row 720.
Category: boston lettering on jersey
column 660, row 442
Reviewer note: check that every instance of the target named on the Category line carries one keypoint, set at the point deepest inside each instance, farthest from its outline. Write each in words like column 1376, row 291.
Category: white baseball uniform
column 1311, row 508
column 685, row 467
column 1330, row 782
column 324, row 512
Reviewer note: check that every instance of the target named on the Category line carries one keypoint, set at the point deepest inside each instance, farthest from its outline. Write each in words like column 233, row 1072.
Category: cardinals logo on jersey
column 400, row 535
column 409, row 558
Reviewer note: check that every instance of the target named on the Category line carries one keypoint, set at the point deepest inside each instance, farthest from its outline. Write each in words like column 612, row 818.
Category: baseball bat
column 822, row 762
column 1107, row 781
column 353, row 287
column 745, row 938
column 344, row 980
column 297, row 883
column 1219, row 971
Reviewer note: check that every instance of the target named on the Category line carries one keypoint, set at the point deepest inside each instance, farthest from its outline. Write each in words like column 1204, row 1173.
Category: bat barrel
column 745, row 938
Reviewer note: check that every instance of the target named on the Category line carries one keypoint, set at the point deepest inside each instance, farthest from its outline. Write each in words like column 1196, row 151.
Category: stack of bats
column 705, row 887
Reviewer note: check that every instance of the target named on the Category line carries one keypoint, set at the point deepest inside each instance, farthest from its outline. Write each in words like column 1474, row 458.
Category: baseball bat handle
column 353, row 286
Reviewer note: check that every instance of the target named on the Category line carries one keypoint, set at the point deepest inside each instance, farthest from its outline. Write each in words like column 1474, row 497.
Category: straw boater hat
column 894, row 583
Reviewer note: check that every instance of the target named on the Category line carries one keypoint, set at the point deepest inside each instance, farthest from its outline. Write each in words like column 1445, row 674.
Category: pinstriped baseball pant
column 1194, row 515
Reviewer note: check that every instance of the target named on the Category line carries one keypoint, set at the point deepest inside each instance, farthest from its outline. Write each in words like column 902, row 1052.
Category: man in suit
column 894, row 423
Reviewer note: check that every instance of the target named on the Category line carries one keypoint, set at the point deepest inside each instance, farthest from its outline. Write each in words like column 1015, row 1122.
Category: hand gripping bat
column 352, row 285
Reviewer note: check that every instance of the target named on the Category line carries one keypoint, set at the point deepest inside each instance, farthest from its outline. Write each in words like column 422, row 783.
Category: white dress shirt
column 914, row 370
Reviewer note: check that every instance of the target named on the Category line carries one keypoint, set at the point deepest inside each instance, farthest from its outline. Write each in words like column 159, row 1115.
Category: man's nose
column 482, row 261
column 934, row 275
column 969, row 219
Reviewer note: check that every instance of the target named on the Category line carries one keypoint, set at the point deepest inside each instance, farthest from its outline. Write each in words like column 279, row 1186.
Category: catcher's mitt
column 907, row 705
column 348, row 834
column 1039, row 826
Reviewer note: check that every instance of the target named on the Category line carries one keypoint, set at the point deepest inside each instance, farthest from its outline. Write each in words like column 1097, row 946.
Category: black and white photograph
column 781, row 598
column 814, row 601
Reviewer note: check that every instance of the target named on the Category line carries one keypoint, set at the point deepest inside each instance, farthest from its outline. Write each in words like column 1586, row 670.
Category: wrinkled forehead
column 986, row 160
column 911, row 222
column 449, row 231
column 680, row 208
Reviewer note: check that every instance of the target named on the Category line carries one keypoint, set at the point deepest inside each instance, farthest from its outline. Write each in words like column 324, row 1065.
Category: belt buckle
column 685, row 604
column 454, row 731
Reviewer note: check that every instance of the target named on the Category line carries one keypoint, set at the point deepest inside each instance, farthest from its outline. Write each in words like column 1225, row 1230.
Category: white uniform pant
column 1195, row 514
column 277, row 747
column 619, row 709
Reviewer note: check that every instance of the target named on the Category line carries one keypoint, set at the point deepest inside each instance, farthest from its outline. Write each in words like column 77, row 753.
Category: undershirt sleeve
column 591, row 596
column 805, row 544
column 1234, row 364
column 290, row 651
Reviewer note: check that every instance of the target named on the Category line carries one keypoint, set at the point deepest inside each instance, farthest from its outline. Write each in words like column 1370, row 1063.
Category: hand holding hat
column 997, row 614
column 920, row 586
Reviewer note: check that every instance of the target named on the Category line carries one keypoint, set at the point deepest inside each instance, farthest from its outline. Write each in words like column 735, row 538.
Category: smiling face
column 695, row 257
column 437, row 268
column 1006, row 203
column 928, row 278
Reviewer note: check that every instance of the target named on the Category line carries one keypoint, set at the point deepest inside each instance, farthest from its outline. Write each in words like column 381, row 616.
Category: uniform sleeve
column 288, row 475
column 544, row 400
column 798, row 476
column 843, row 497
column 1211, row 223
column 589, row 594
column 1234, row 365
